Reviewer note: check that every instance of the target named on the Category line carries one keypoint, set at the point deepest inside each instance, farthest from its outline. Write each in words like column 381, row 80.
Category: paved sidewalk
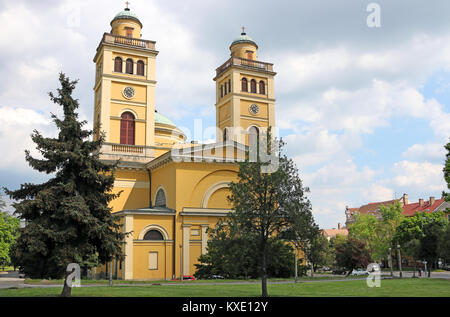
column 12, row 280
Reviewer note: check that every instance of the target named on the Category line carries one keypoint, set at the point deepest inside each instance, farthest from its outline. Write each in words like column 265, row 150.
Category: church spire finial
column 127, row 4
column 243, row 30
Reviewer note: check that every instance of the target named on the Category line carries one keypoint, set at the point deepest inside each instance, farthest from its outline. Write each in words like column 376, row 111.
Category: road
column 12, row 279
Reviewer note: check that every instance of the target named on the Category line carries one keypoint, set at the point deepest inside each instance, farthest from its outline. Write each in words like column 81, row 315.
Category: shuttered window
column 129, row 66
column 140, row 68
column 127, row 127
column 253, row 86
column 244, row 84
column 262, row 88
column 118, row 65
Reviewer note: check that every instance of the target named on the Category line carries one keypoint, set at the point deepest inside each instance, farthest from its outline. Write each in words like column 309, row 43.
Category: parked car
column 217, row 277
column 339, row 271
column 359, row 272
column 446, row 267
column 185, row 278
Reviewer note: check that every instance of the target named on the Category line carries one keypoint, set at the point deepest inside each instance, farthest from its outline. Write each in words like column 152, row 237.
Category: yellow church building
column 172, row 191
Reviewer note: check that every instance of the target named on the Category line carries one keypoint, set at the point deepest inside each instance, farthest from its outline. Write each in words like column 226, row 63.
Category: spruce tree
column 67, row 218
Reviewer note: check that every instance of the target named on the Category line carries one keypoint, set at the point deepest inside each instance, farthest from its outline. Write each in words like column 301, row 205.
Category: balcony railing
column 126, row 153
column 128, row 41
column 122, row 148
column 247, row 63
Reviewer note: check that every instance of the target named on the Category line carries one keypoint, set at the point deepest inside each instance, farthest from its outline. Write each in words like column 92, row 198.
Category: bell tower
column 124, row 90
column 245, row 101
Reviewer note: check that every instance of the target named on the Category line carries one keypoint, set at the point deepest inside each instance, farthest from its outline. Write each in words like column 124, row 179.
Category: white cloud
column 423, row 176
column 16, row 126
column 376, row 192
column 425, row 152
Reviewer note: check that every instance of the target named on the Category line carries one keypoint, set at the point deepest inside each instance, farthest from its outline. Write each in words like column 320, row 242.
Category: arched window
column 229, row 85
column 225, row 91
column 129, row 66
column 225, row 135
column 140, row 68
column 160, row 200
column 153, row 235
column 262, row 87
column 127, row 128
column 253, row 136
column 253, row 86
column 221, row 91
column 244, row 85
column 118, row 65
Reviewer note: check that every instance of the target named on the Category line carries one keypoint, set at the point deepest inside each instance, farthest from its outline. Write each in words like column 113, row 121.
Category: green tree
column 235, row 256
column 412, row 249
column 352, row 254
column 425, row 227
column 376, row 233
column 446, row 171
column 9, row 226
column 267, row 204
column 319, row 253
column 68, row 218
column 444, row 244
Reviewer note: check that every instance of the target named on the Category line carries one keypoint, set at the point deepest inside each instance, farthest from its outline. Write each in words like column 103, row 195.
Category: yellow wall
column 118, row 27
column 134, row 187
column 262, row 114
column 239, row 50
column 117, row 88
column 219, row 199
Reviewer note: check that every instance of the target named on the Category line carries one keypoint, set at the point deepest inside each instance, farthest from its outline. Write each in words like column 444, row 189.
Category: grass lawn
column 389, row 288
column 116, row 282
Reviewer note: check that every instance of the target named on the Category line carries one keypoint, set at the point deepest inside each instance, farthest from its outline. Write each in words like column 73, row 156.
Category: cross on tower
column 127, row 3
column 243, row 30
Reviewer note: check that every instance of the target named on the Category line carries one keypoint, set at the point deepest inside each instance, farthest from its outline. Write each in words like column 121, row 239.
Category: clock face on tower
column 254, row 109
column 128, row 92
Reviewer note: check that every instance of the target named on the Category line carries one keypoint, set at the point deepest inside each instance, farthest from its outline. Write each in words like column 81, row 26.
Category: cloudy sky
column 365, row 111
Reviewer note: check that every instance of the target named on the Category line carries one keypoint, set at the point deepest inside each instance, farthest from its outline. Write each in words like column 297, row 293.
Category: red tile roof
column 411, row 209
column 408, row 209
column 333, row 232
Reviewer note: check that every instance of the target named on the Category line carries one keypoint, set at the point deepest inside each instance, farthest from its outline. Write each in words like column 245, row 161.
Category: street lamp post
column 399, row 260
column 425, row 263
column 390, row 262
column 296, row 266
column 110, row 273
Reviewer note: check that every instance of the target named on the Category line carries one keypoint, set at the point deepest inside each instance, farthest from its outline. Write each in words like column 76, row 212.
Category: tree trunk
column 264, row 274
column 66, row 291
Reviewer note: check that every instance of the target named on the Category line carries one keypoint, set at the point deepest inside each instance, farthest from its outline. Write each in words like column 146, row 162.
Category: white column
column 186, row 247
column 128, row 263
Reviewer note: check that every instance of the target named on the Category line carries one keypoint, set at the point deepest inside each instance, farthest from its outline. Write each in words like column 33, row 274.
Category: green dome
column 126, row 14
column 159, row 118
column 244, row 38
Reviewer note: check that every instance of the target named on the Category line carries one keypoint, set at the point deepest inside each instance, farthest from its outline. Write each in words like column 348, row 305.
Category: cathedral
column 172, row 191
